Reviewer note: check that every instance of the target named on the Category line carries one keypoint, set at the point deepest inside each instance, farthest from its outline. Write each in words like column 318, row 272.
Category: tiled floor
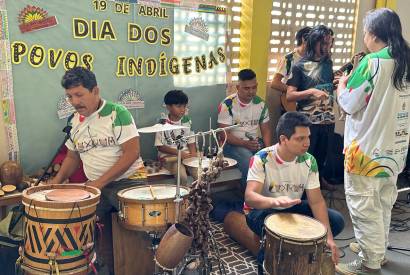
column 238, row 260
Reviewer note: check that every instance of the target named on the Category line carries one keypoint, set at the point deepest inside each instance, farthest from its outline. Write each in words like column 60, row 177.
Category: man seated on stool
column 104, row 137
column 279, row 174
column 176, row 101
column 249, row 111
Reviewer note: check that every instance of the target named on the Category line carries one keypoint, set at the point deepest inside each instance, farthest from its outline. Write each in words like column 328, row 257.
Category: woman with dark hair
column 376, row 97
column 310, row 84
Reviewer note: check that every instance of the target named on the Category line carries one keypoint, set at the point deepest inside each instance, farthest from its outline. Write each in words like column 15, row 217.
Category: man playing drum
column 104, row 137
column 279, row 174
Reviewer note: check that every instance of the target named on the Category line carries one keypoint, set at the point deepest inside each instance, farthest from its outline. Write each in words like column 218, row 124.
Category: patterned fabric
column 308, row 74
column 249, row 116
column 286, row 63
column 377, row 129
column 98, row 138
column 162, row 138
column 281, row 178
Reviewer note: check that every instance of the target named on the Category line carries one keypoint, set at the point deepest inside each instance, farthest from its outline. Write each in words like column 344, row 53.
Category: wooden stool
column 132, row 250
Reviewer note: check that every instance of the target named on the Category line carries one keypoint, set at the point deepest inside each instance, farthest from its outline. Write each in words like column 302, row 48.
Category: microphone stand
column 66, row 130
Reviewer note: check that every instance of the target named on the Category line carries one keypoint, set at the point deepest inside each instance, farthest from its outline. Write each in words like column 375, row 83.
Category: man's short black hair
column 302, row 34
column 246, row 74
column 175, row 97
column 289, row 121
column 79, row 76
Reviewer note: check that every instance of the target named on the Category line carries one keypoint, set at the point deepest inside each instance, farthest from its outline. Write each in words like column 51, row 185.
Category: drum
column 150, row 208
column 294, row 244
column 59, row 228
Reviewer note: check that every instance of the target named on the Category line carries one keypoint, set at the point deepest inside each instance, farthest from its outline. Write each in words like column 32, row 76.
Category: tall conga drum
column 59, row 228
column 294, row 244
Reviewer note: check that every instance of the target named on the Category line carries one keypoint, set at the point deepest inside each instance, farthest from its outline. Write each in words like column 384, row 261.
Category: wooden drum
column 294, row 244
column 59, row 228
column 151, row 208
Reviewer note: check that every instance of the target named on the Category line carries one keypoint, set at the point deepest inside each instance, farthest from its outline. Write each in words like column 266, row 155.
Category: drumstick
column 152, row 192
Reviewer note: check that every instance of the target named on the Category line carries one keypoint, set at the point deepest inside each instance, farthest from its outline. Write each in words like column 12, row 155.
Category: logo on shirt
column 402, row 115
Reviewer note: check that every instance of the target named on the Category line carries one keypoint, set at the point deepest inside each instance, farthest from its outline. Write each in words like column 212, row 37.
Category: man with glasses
column 104, row 137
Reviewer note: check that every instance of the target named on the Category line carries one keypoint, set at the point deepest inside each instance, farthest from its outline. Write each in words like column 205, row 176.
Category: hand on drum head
column 284, row 201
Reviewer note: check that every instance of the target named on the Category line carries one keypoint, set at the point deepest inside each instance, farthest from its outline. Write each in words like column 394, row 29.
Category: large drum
column 151, row 208
column 294, row 244
column 59, row 228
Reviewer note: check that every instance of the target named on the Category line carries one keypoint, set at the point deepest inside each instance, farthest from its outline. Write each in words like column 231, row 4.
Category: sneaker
column 355, row 248
column 356, row 268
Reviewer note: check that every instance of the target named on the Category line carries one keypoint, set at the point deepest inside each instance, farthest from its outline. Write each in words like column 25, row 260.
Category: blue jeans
column 242, row 156
column 256, row 218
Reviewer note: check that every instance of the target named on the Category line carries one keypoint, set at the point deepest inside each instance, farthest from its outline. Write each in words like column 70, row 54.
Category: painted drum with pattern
column 59, row 234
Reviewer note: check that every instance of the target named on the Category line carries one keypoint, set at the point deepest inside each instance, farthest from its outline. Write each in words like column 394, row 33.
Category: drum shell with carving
column 58, row 230
column 294, row 244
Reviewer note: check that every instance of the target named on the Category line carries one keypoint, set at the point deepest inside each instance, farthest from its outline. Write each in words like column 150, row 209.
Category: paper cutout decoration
column 3, row 26
column 198, row 27
column 64, row 108
column 131, row 99
column 33, row 18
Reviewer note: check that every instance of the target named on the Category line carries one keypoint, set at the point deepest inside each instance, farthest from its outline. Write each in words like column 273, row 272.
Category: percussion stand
column 66, row 130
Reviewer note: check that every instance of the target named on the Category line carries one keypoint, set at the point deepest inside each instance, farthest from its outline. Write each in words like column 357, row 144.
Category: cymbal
column 160, row 128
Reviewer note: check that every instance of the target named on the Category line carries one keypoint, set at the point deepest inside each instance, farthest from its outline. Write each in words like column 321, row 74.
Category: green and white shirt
column 161, row 138
column 281, row 178
column 97, row 138
column 377, row 127
column 248, row 116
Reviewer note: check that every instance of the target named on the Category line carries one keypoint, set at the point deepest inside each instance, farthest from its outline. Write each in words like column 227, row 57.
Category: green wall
column 37, row 90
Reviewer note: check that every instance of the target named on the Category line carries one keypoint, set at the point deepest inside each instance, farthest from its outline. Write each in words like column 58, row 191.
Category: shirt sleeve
column 223, row 114
column 70, row 145
column 295, row 77
column 282, row 66
column 264, row 114
column 124, row 125
column 256, row 170
column 313, row 178
column 159, row 137
column 359, row 88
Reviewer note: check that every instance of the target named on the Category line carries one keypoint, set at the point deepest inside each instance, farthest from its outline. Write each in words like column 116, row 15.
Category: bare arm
column 277, row 83
column 266, row 133
column 293, row 94
column 252, row 145
column 254, row 199
column 173, row 151
column 70, row 164
column 319, row 209
column 130, row 153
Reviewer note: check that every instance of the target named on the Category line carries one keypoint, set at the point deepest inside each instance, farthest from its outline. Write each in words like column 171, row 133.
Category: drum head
column 295, row 227
column 152, row 192
column 194, row 162
column 67, row 195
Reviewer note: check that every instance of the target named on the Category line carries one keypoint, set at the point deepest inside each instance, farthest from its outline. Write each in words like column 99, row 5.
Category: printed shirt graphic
column 377, row 128
column 281, row 178
column 308, row 74
column 97, row 139
column 161, row 138
column 286, row 63
column 249, row 116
